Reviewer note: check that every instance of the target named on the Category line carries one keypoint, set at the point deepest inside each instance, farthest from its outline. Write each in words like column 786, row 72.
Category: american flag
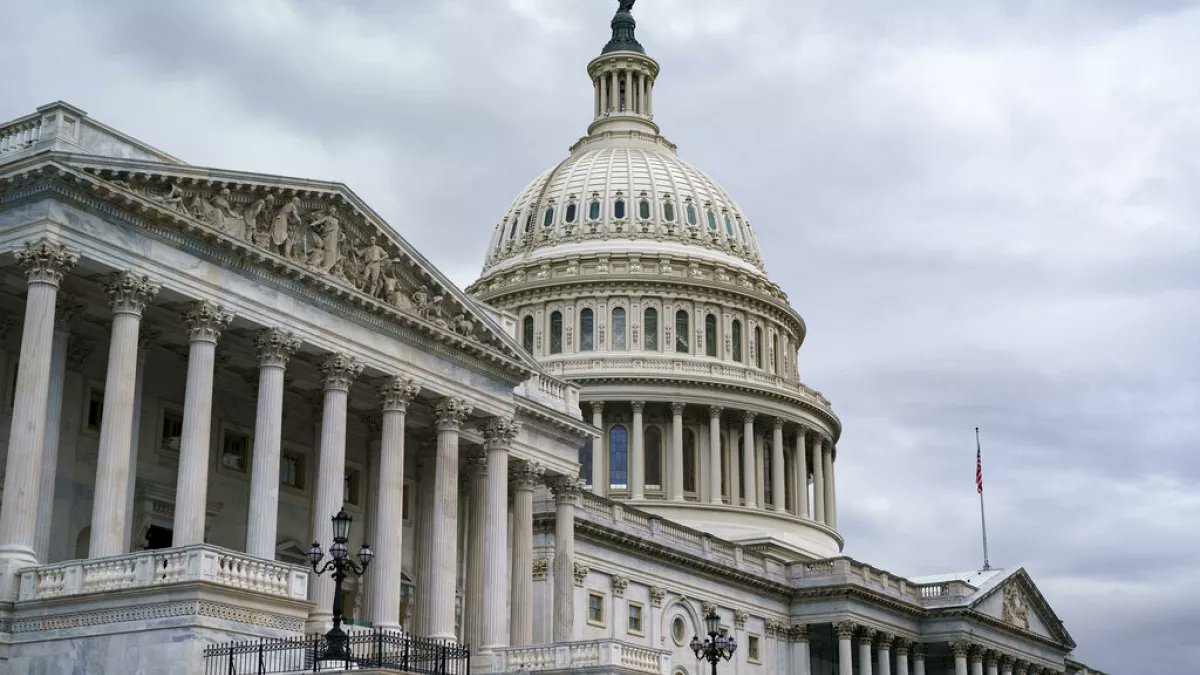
column 978, row 464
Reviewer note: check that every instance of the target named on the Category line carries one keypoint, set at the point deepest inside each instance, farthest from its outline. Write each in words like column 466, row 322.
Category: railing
column 578, row 655
column 20, row 134
column 162, row 567
column 377, row 649
column 848, row 570
column 551, row 392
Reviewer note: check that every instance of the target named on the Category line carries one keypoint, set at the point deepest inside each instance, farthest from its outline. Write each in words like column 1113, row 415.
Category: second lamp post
column 339, row 564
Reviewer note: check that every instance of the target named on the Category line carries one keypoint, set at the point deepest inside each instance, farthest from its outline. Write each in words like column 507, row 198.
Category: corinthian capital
column 45, row 261
column 275, row 347
column 205, row 320
column 845, row 629
column 451, row 413
column 524, row 474
column 715, row 411
column 960, row 648
column 397, row 392
column 748, row 416
column 677, row 407
column 128, row 292
column 637, row 406
column 499, row 433
column 565, row 488
column 339, row 371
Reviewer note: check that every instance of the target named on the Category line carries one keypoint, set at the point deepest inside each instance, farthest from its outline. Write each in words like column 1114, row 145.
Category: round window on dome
column 644, row 209
column 572, row 210
column 549, row 220
column 619, row 209
column 669, row 211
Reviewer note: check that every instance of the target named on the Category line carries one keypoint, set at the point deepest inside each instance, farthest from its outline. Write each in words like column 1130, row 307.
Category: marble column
column 845, row 636
column 628, row 107
column 961, row 650
column 830, row 487
column 714, row 454
column 600, row 478
column 338, row 373
column 778, row 487
column 918, row 658
column 749, row 473
column 676, row 480
column 451, row 413
column 476, row 470
column 423, row 536
column 900, row 650
column 801, row 663
column 883, row 653
column 499, row 435
column 801, row 474
column 44, row 262
column 866, row 637
column 395, row 394
column 976, row 660
column 275, row 347
column 566, row 493
column 991, row 661
column 65, row 310
column 602, row 84
column 636, row 471
column 818, row 468
column 614, row 95
column 525, row 475
column 147, row 337
column 204, row 320
column 128, row 294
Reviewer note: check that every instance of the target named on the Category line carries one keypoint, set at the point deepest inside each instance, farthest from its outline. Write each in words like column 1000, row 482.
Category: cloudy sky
column 986, row 212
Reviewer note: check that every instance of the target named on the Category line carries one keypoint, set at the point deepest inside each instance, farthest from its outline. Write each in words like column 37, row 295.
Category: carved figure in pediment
column 463, row 326
column 283, row 228
column 329, row 227
column 420, row 301
column 314, row 251
column 1016, row 610
column 374, row 258
column 393, row 292
column 174, row 199
column 251, row 227
column 436, row 313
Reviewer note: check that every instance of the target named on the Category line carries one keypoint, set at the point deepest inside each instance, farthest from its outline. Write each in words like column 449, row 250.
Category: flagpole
column 979, row 482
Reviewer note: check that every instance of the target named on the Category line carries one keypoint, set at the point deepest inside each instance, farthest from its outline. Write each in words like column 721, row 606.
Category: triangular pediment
column 1015, row 600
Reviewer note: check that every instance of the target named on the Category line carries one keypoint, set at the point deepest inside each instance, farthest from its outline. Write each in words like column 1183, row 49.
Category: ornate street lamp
column 339, row 564
column 716, row 646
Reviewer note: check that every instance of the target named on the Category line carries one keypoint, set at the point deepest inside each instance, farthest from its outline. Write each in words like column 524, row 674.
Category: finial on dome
column 623, row 25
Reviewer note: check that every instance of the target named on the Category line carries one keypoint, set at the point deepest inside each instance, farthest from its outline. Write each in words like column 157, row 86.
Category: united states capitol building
column 565, row 466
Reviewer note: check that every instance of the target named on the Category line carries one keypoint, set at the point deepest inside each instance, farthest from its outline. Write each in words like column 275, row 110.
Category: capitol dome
column 635, row 275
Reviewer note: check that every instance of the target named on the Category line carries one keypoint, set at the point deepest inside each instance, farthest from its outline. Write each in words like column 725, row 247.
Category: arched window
column 689, row 460
column 710, row 335
column 618, row 328
column 712, row 220
column 736, row 334
column 529, row 221
column 527, row 334
column 556, row 333
column 619, row 209
column 681, row 331
column 650, row 329
column 549, row 219
column 691, row 215
column 758, row 361
column 572, row 208
column 587, row 330
column 585, row 461
column 644, row 209
column 775, row 352
column 512, row 227
column 594, row 210
column 728, row 225
column 653, row 454
column 669, row 211
column 618, row 444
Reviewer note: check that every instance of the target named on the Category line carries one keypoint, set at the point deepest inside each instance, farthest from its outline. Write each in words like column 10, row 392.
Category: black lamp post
column 716, row 646
column 339, row 564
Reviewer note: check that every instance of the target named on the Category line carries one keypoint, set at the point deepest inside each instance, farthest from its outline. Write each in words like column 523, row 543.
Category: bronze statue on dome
column 626, row 6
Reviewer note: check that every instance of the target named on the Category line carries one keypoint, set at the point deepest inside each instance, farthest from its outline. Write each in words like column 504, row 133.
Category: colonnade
column 46, row 261
column 796, row 453
column 624, row 90
column 883, row 653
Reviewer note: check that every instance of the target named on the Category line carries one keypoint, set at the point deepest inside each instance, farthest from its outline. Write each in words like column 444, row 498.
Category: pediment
column 318, row 233
column 1015, row 600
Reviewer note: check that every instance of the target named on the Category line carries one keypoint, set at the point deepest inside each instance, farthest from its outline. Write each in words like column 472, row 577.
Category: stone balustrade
column 20, row 134
column 859, row 574
column 571, row 656
column 552, row 393
column 161, row 567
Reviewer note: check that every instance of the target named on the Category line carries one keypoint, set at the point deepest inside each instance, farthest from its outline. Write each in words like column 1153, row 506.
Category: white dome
column 624, row 192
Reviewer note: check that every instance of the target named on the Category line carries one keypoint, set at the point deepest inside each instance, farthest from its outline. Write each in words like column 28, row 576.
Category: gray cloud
column 985, row 211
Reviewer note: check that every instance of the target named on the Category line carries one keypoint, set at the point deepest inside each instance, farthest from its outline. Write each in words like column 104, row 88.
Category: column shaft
column 500, row 435
column 901, row 663
column 918, row 664
column 864, row 657
column 637, row 457
column 884, row 656
column 801, row 475
column 600, row 460
column 628, row 107
column 274, row 347
column 676, row 481
column 395, row 395
column 54, row 399
column 830, row 488
column 976, row 665
column 818, row 468
column 423, row 549
column 476, row 555
column 524, row 475
column 778, row 489
column 566, row 491
column 714, row 454
column 960, row 664
column 749, row 473
column 845, row 656
column 451, row 413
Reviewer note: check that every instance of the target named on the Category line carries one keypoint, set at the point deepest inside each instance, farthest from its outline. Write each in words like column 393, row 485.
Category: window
column 291, row 469
column 691, row 215
column 594, row 210
column 775, row 352
column 650, row 329
column 585, row 462
column 527, row 334
column 549, row 219
column 678, row 631
column 653, row 458
column 352, row 486
column 634, row 623
column 587, row 330
column 712, row 220
column 170, row 430
column 754, row 649
column 529, row 221
column 689, row 460
column 595, row 609
column 736, row 330
column 618, row 328
column 728, row 225
column 758, row 347
column 235, row 451
column 619, row 209
column 556, row 333
column 644, row 209
column 618, row 444
column 669, row 211
column 572, row 210
column 681, row 331
column 710, row 335
column 94, row 411
column 512, row 228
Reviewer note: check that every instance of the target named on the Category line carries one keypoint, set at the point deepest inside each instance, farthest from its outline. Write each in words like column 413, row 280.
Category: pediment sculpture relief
column 322, row 236
column 1016, row 609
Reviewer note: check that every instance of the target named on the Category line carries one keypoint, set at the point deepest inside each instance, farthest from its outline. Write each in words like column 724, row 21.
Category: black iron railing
column 374, row 649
